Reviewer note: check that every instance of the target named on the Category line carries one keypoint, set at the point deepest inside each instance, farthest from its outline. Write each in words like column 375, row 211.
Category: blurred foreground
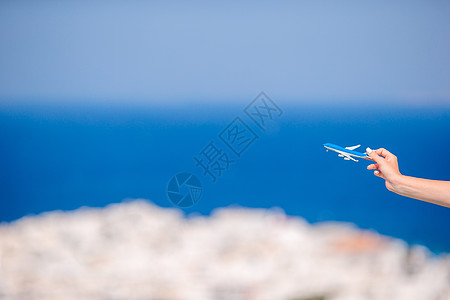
column 136, row 250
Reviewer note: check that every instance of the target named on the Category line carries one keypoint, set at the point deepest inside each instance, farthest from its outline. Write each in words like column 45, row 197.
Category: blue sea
column 65, row 156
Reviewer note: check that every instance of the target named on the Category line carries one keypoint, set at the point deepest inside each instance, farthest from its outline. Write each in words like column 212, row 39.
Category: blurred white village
column 136, row 250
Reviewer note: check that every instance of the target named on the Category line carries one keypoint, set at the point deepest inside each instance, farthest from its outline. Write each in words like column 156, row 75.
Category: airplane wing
column 352, row 147
column 348, row 157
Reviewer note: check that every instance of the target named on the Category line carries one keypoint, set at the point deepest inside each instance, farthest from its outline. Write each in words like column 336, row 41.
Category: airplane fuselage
column 346, row 152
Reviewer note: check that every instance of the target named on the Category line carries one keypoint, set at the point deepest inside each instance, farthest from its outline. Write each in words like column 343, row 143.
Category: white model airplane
column 348, row 152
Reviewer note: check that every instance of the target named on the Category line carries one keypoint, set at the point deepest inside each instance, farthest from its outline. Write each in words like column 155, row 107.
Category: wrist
column 397, row 182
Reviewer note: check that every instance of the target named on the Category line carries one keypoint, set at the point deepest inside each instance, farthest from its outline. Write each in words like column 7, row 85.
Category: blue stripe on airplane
column 339, row 148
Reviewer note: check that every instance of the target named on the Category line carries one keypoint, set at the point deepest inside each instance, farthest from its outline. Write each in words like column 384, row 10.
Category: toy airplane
column 348, row 152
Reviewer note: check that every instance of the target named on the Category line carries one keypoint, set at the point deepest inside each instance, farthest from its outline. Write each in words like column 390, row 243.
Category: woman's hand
column 386, row 167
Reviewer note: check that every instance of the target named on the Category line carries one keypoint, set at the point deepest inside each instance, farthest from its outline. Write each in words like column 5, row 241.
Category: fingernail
column 377, row 172
column 368, row 150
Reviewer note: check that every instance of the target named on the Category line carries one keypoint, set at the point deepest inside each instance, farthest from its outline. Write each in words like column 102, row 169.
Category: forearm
column 434, row 191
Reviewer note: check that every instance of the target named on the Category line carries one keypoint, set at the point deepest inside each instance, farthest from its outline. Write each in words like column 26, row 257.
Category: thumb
column 379, row 160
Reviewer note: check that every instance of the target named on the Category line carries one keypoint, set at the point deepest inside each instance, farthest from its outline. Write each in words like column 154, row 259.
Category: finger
column 384, row 152
column 379, row 174
column 378, row 159
column 372, row 167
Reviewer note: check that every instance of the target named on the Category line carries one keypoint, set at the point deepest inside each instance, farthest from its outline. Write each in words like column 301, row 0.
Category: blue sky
column 169, row 51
